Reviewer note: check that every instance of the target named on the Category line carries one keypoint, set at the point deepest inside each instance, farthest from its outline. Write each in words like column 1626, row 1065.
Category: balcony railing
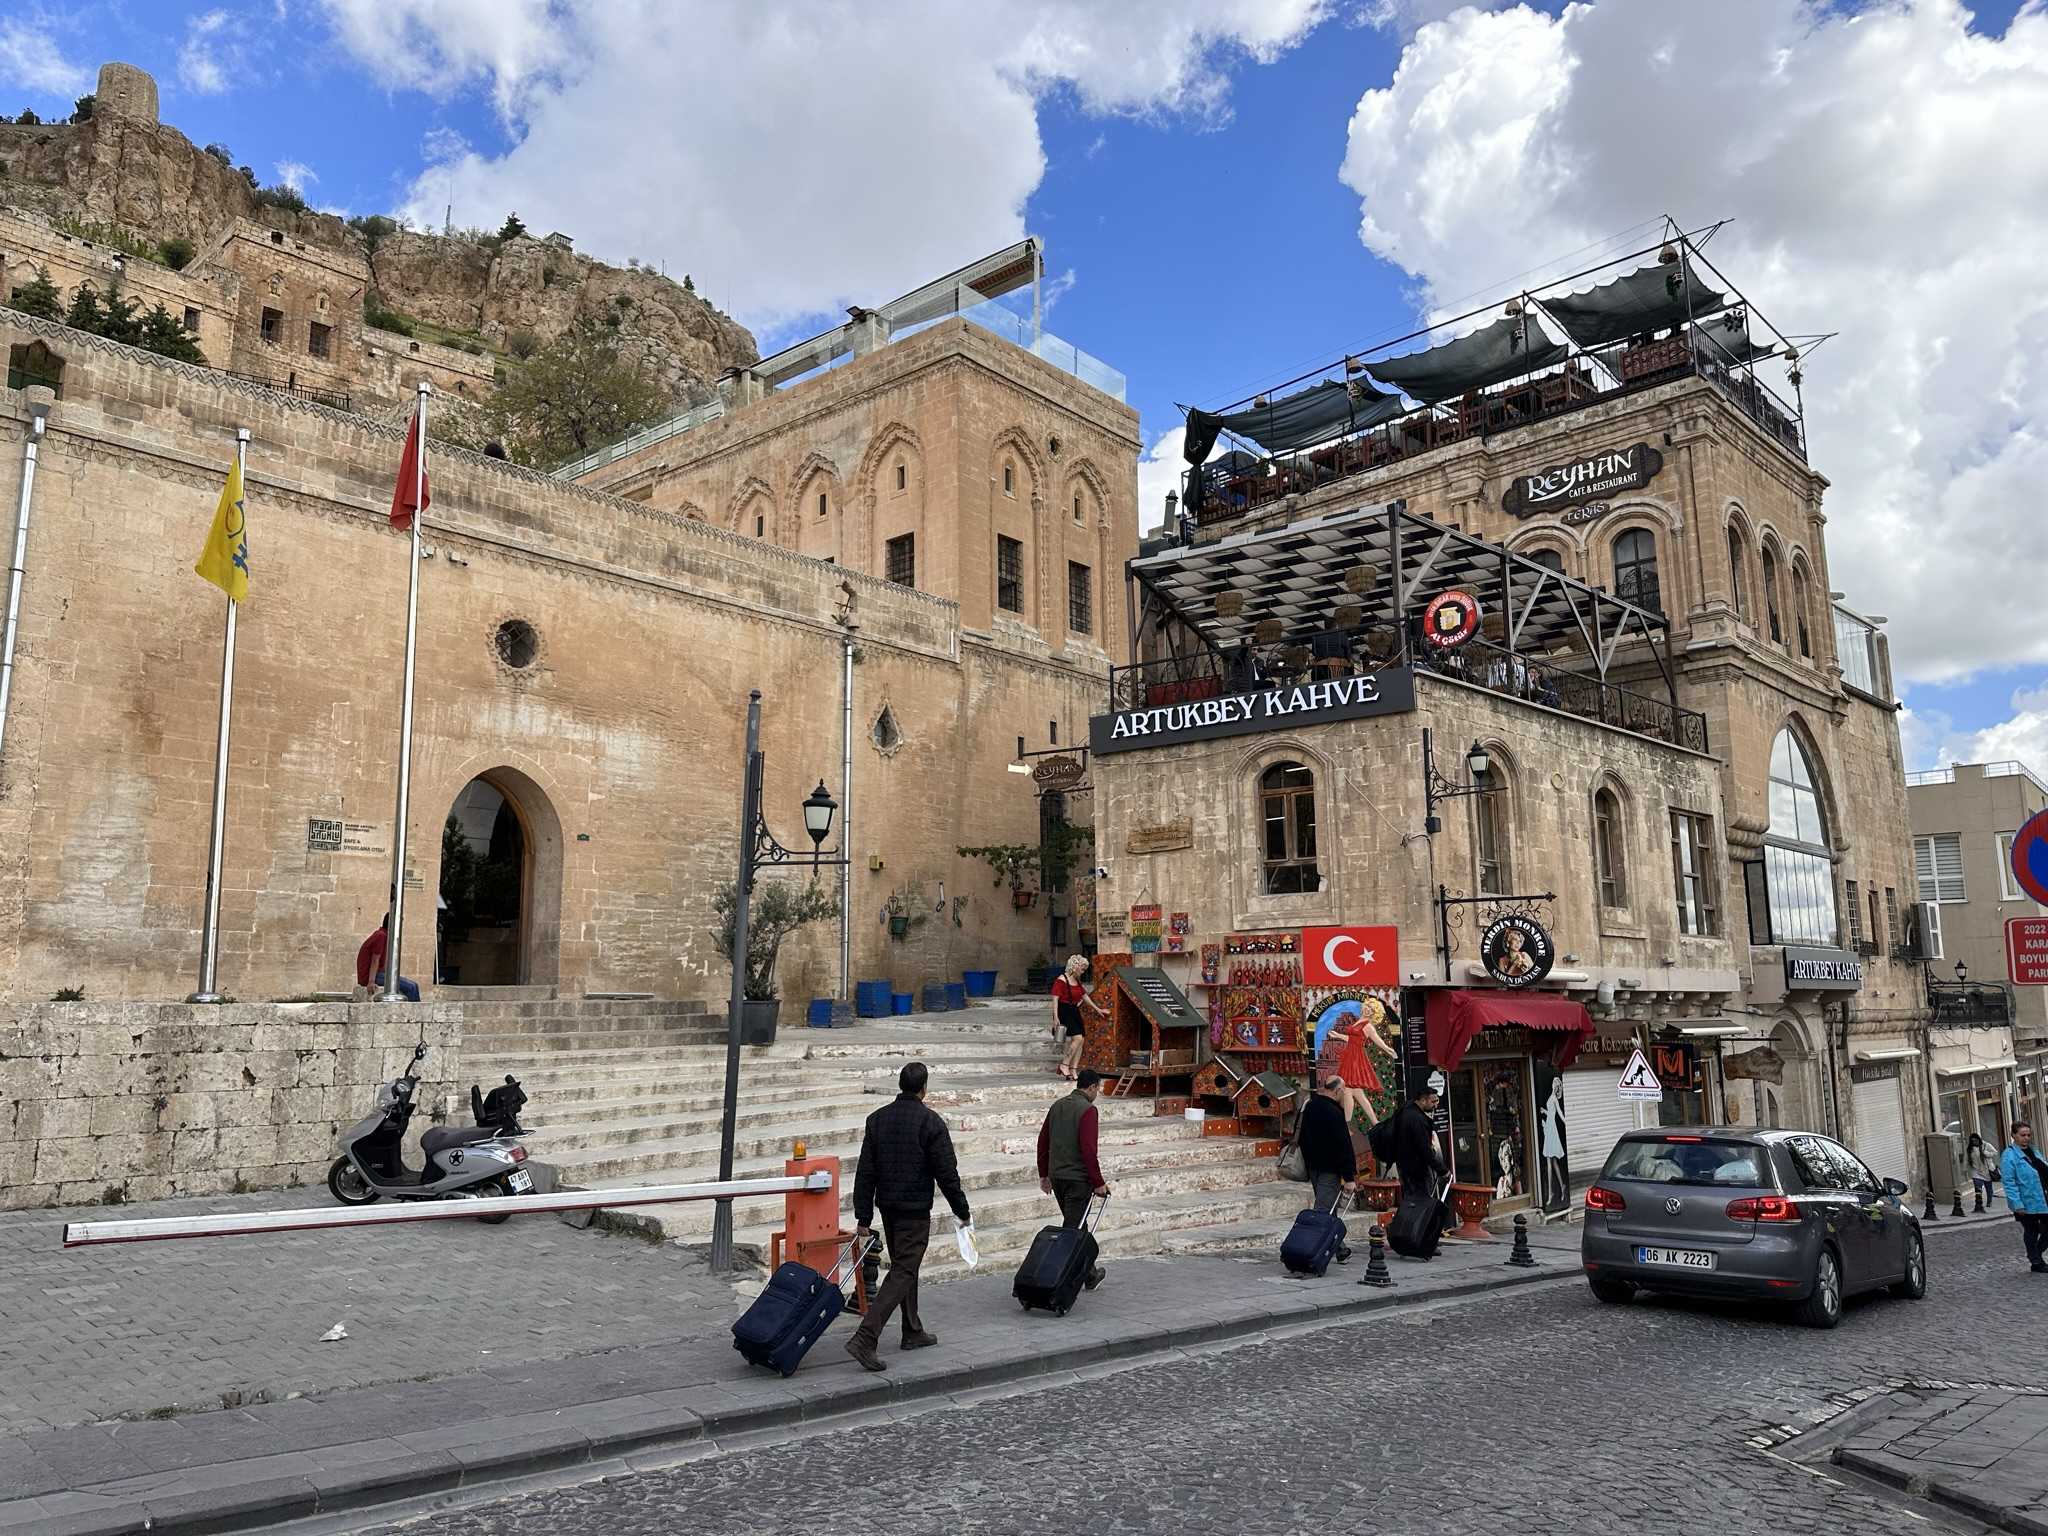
column 1983, row 1004
column 1185, row 679
column 337, row 398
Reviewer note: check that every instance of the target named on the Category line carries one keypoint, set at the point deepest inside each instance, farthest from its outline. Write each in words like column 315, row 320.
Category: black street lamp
column 758, row 846
column 1436, row 787
column 1962, row 971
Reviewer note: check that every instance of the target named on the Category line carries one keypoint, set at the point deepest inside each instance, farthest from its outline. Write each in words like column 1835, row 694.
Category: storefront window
column 1287, row 807
column 1799, row 875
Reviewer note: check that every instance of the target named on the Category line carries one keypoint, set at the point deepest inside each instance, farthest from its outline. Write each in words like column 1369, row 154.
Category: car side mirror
column 1896, row 1188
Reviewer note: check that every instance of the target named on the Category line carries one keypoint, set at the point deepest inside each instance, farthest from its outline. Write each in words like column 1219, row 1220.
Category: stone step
column 582, row 1063
column 554, row 1018
column 615, row 1036
column 586, row 1106
column 858, row 1045
column 444, row 994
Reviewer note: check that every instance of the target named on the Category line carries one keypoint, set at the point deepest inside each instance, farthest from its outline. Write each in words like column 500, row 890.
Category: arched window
column 1491, row 837
column 1799, row 876
column 1287, row 813
column 1738, row 563
column 1635, row 569
column 1545, row 556
column 1799, row 610
column 1610, row 848
column 1771, row 597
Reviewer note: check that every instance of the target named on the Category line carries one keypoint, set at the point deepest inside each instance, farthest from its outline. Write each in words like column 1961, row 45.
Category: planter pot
column 1379, row 1194
column 899, row 926
column 1023, row 899
column 979, row 983
column 757, row 1020
column 1472, row 1202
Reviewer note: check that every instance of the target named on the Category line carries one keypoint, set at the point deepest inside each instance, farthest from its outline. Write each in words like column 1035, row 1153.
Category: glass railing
column 696, row 416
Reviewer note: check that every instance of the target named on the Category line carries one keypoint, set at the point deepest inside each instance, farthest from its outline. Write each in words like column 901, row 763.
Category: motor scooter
column 461, row 1162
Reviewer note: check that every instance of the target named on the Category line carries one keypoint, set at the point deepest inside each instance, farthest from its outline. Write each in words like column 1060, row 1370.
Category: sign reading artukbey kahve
column 1563, row 486
column 1822, row 970
column 1390, row 691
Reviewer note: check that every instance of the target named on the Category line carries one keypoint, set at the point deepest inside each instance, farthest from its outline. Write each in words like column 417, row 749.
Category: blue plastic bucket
column 935, row 1000
column 979, row 983
column 819, row 1015
column 956, row 995
column 903, row 1000
column 871, row 998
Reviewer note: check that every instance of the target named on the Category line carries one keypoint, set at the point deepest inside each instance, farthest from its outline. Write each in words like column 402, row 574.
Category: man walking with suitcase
column 1326, row 1149
column 1067, row 1166
column 1418, row 1154
column 906, row 1153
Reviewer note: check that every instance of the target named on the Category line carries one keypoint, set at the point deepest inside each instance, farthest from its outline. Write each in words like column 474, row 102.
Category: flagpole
column 395, row 938
column 209, row 935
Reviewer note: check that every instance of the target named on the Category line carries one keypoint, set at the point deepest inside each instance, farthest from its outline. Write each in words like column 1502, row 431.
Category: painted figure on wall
column 1556, row 1188
column 1347, row 1033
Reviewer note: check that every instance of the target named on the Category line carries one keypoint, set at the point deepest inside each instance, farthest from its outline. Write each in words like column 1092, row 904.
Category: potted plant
column 906, row 909
column 779, row 908
column 1038, row 976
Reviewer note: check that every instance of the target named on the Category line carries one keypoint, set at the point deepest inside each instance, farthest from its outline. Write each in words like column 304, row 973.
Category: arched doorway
column 1789, row 1103
column 501, row 884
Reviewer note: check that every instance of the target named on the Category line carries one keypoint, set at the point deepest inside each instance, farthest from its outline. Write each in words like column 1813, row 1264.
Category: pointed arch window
column 1635, row 569
column 1777, row 629
column 1799, row 623
column 1798, row 868
column 1492, row 837
column 1610, row 848
column 1738, row 563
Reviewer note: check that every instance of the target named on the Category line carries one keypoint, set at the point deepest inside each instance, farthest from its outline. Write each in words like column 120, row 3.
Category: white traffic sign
column 1639, row 1079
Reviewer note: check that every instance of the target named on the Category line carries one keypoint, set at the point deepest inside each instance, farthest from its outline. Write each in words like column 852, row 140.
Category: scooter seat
column 442, row 1137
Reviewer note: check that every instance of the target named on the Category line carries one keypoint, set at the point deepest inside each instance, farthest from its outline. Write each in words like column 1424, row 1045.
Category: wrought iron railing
column 337, row 398
column 1984, row 1004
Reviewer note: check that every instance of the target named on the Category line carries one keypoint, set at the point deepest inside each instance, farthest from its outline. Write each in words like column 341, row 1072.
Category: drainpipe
column 846, row 802
column 39, row 418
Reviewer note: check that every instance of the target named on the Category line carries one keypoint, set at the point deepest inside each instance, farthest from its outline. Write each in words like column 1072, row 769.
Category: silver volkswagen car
column 1742, row 1212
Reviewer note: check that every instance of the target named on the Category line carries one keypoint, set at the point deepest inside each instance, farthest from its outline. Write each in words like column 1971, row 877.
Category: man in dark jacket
column 1419, row 1155
column 1326, row 1149
column 1067, row 1165
column 906, row 1153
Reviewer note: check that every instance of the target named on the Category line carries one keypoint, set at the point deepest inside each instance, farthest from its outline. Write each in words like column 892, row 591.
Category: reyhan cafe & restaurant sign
column 1387, row 692
column 1576, row 483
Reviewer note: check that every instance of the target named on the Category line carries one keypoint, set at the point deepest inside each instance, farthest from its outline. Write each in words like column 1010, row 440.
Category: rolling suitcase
column 792, row 1313
column 1314, row 1239
column 1057, row 1266
column 1418, row 1224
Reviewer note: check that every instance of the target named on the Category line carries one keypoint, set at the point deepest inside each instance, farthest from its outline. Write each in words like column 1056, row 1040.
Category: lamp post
column 757, row 847
column 1436, row 787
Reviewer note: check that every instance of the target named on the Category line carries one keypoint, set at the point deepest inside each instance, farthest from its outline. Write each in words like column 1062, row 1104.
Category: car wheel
column 346, row 1183
column 1914, row 1286
column 1823, row 1309
column 1614, row 1292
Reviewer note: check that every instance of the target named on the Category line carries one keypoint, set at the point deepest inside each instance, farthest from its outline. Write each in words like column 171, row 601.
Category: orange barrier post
column 810, row 1224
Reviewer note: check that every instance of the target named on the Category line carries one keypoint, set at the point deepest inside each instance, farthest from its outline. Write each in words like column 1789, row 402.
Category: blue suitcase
column 791, row 1314
column 1312, row 1242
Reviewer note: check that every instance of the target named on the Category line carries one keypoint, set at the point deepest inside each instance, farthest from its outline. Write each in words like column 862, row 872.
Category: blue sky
column 1204, row 189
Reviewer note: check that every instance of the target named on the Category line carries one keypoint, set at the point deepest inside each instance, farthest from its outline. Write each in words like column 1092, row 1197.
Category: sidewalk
column 330, row 1450
column 1983, row 1452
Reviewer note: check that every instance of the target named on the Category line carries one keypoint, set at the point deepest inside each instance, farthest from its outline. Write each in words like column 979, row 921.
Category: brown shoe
column 864, row 1352
column 919, row 1340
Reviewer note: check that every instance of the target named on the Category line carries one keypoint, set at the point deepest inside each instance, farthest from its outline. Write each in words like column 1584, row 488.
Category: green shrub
column 177, row 252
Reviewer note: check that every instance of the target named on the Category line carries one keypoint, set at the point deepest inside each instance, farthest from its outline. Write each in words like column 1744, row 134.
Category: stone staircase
column 630, row 1092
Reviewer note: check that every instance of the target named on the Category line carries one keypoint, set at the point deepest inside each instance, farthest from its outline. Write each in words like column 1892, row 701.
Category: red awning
column 1456, row 1017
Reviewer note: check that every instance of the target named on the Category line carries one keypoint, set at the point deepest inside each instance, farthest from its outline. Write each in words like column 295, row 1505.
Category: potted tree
column 779, row 908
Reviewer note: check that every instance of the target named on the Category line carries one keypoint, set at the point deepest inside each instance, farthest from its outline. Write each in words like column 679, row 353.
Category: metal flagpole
column 394, row 938
column 209, row 937
column 743, row 894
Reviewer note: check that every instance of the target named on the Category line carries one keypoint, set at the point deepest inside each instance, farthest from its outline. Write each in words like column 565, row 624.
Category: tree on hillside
column 39, row 297
column 164, row 334
column 513, row 228
column 85, row 313
column 574, row 396
column 81, row 110
column 28, row 118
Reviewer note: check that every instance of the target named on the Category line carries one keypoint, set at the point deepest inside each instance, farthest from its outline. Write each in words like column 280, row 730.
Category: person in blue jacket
column 2026, row 1193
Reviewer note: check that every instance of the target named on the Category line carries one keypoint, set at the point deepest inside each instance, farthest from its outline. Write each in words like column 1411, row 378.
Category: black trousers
column 908, row 1236
column 1073, row 1196
column 2035, row 1230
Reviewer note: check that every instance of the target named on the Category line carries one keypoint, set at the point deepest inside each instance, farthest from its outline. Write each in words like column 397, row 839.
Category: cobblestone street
column 1545, row 1411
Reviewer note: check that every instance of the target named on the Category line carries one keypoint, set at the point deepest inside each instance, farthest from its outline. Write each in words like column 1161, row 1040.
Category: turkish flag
column 1351, row 957
column 411, row 495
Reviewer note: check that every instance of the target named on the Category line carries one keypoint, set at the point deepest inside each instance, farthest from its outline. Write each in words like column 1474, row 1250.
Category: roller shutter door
column 1881, row 1128
column 1595, row 1118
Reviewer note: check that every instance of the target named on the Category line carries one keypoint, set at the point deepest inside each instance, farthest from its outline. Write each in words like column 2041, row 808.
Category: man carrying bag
column 1411, row 1138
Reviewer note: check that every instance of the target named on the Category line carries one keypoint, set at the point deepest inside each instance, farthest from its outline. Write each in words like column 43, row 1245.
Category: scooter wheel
column 346, row 1183
column 492, row 1191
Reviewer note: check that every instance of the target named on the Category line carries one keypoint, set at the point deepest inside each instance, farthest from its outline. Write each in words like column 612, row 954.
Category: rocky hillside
column 154, row 184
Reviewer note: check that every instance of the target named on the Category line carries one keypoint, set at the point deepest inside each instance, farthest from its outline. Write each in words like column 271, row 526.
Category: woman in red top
column 1070, row 1006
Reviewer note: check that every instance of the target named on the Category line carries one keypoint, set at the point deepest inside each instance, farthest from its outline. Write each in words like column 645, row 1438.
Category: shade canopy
column 1506, row 349
column 1648, row 299
column 1312, row 415
column 1725, row 339
column 1454, row 1019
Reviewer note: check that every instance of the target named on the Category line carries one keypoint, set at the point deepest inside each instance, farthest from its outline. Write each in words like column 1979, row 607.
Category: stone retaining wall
column 114, row 1102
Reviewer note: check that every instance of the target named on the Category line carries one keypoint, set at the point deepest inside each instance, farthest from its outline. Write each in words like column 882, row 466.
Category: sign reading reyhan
column 1387, row 692
column 1568, row 485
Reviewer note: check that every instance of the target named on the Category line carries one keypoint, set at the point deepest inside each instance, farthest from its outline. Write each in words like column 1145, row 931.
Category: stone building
column 300, row 324
column 1551, row 479
column 1990, row 1040
column 205, row 300
column 584, row 657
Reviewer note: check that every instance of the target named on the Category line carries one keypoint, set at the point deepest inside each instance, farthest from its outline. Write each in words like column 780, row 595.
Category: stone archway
column 1792, row 1103
column 501, row 882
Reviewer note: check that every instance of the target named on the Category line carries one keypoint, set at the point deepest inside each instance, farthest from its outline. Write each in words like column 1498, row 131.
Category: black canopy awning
column 1312, row 415
column 1505, row 349
column 1647, row 299
column 1725, row 339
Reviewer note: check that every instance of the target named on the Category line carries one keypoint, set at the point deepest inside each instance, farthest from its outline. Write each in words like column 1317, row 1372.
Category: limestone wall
column 393, row 365
column 116, row 1102
column 29, row 242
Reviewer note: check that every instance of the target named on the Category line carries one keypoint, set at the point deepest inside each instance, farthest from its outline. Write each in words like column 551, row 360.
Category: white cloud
column 1409, row 16
column 30, row 58
column 296, row 175
column 1931, row 740
column 796, row 159
column 1160, row 471
column 1879, row 187
column 210, row 54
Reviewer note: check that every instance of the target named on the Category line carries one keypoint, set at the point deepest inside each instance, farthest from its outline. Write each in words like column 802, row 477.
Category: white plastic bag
column 963, row 1236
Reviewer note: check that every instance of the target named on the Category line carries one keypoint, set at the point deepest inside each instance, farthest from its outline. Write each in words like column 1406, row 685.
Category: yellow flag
column 225, row 560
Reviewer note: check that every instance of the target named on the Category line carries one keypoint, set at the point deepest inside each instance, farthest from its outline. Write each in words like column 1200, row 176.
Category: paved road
column 1538, row 1412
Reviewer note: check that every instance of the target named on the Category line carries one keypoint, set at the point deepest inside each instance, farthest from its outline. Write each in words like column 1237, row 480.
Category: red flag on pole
column 410, row 496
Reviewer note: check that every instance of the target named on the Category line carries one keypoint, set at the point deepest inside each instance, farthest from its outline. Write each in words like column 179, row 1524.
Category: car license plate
column 1675, row 1258
column 521, row 1181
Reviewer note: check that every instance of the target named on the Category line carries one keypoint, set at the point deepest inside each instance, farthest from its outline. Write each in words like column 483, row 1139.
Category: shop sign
column 1761, row 1064
column 327, row 836
column 1581, row 481
column 1416, row 1065
column 1112, row 925
column 1145, row 925
column 2030, row 857
column 1163, row 838
column 1351, row 957
column 2026, row 951
column 1873, row 1071
column 1822, row 970
column 1450, row 620
column 1060, row 772
column 1387, row 692
column 1677, row 1066
column 1516, row 950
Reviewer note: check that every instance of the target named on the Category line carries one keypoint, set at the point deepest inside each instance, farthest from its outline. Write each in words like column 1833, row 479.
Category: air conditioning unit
column 1922, row 940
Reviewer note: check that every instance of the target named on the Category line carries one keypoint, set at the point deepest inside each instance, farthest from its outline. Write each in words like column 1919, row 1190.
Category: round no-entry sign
column 2030, row 857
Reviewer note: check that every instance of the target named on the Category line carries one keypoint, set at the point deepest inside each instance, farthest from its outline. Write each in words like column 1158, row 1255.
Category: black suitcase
column 1314, row 1240
column 1057, row 1267
column 1418, row 1225
column 791, row 1314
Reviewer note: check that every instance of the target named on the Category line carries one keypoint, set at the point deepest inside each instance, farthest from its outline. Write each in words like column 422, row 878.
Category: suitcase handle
column 1097, row 1204
column 856, row 1251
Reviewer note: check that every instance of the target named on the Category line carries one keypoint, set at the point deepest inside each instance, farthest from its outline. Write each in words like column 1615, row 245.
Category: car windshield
column 1686, row 1162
